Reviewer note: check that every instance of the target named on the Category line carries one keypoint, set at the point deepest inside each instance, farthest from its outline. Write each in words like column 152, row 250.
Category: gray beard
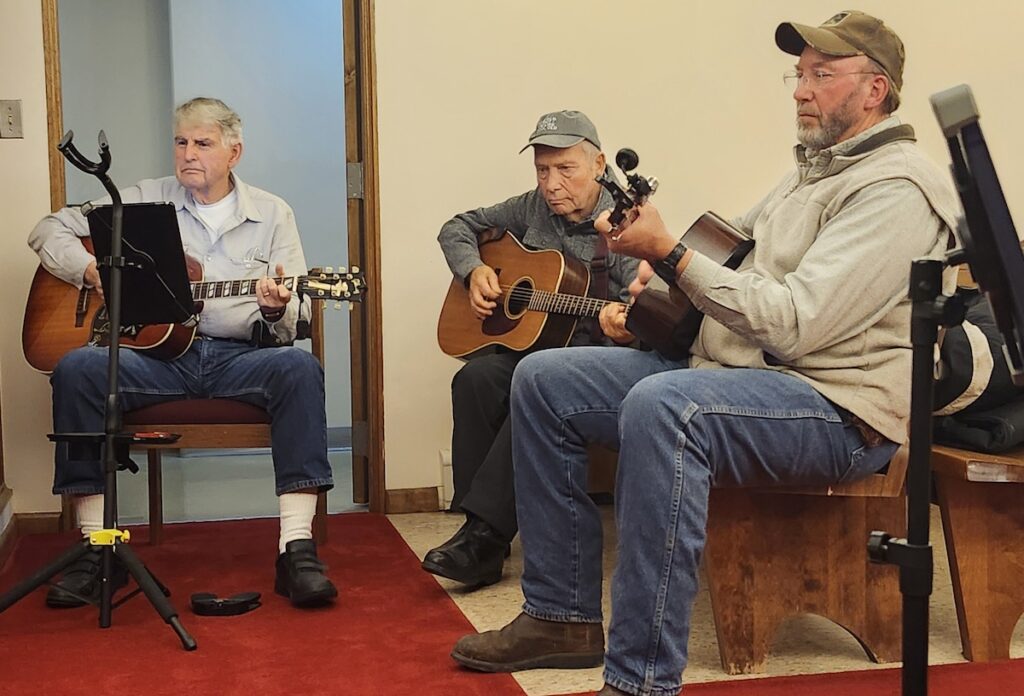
column 819, row 138
column 832, row 127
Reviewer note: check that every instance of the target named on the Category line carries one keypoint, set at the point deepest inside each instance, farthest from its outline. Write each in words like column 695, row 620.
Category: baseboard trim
column 24, row 523
column 412, row 500
column 8, row 533
column 37, row 523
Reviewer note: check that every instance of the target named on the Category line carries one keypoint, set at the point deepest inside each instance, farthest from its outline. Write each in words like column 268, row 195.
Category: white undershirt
column 216, row 214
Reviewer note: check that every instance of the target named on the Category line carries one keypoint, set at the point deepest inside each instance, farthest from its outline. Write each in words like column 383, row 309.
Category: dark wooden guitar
column 59, row 317
column 543, row 295
column 662, row 316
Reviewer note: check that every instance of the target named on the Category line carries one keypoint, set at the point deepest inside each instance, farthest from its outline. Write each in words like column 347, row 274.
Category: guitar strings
column 554, row 302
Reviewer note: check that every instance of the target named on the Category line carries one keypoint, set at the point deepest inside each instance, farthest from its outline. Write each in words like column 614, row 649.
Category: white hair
column 210, row 111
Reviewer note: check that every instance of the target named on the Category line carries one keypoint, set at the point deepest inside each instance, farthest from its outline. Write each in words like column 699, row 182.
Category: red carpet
column 390, row 633
column 962, row 679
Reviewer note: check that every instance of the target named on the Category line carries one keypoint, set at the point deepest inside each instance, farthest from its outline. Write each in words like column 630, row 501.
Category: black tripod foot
column 154, row 593
column 187, row 641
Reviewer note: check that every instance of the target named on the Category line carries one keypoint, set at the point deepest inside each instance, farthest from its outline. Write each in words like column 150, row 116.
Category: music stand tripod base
column 109, row 542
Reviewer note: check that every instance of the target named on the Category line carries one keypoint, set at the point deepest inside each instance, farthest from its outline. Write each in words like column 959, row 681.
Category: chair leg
column 156, row 497
column 320, row 521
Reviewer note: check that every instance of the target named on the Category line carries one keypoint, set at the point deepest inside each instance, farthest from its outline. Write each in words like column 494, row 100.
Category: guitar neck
column 558, row 303
column 207, row 290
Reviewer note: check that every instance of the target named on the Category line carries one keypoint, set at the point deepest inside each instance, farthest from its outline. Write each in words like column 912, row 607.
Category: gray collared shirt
column 260, row 234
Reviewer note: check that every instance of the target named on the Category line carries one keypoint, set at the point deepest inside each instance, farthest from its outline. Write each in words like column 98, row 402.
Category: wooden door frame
column 363, row 228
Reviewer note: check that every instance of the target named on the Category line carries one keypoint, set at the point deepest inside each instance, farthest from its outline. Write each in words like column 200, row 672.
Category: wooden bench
column 983, row 524
column 775, row 553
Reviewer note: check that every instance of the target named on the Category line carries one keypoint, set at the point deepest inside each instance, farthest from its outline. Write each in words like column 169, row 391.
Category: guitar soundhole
column 518, row 299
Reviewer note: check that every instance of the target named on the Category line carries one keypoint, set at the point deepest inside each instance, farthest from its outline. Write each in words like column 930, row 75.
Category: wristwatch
column 666, row 267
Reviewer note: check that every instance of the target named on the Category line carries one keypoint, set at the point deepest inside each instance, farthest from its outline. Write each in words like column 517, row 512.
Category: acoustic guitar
column 662, row 316
column 59, row 317
column 543, row 294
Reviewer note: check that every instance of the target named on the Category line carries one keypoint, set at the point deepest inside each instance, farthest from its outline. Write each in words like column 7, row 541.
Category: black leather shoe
column 474, row 556
column 300, row 575
column 82, row 578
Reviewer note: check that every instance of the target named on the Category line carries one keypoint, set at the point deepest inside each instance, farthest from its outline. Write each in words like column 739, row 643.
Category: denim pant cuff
column 559, row 616
column 320, row 484
column 630, row 687
column 78, row 490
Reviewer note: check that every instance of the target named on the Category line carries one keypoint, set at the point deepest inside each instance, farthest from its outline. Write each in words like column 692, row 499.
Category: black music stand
column 154, row 270
column 164, row 296
column 992, row 250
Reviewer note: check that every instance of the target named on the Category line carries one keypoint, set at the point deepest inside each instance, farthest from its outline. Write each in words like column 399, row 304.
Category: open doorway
column 302, row 82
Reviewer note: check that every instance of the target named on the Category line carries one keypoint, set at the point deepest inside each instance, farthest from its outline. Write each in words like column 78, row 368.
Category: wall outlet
column 10, row 118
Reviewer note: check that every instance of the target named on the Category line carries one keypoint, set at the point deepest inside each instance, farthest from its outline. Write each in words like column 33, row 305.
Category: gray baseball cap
column 563, row 129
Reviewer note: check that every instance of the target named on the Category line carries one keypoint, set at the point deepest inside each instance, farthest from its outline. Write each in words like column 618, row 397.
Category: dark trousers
column 482, row 441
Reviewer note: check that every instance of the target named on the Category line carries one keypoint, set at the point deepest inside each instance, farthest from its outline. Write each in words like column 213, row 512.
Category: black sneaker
column 81, row 582
column 300, row 575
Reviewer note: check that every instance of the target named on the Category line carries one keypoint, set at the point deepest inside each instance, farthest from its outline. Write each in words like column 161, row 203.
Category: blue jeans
column 679, row 432
column 287, row 382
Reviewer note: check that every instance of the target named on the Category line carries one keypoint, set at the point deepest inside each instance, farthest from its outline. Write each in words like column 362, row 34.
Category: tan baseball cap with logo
column 563, row 129
column 850, row 33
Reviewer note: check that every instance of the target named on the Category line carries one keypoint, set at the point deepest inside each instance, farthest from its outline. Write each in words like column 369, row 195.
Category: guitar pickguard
column 100, row 333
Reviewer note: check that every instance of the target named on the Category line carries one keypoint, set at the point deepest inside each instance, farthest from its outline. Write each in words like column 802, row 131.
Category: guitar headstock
column 341, row 285
column 640, row 188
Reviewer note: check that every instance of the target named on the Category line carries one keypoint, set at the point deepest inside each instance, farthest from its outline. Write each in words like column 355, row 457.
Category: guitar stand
column 111, row 446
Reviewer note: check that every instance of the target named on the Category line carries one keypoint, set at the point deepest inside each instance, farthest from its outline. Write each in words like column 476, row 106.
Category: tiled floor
column 805, row 644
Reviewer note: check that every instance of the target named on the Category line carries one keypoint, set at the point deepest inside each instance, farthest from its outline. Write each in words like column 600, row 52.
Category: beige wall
column 24, row 198
column 693, row 86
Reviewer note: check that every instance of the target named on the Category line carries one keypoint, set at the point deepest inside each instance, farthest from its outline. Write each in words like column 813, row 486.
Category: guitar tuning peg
column 342, row 270
column 337, row 305
column 355, row 269
column 328, row 269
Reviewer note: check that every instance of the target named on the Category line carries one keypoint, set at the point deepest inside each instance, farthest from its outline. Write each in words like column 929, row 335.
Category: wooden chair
column 983, row 524
column 775, row 553
column 214, row 423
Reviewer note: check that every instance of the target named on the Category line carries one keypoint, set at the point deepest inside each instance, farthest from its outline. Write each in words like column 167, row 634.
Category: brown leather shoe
column 529, row 643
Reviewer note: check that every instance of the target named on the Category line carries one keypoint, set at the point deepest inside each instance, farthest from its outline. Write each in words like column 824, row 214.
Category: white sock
column 89, row 510
column 297, row 511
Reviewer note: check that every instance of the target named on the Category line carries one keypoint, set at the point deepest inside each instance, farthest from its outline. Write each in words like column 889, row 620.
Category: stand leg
column 155, row 594
column 43, row 575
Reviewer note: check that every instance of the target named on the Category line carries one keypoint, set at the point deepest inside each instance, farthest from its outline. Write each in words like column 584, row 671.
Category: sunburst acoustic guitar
column 59, row 317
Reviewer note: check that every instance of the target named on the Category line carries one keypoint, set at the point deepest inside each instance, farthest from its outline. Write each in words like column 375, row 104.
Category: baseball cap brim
column 793, row 38
column 554, row 140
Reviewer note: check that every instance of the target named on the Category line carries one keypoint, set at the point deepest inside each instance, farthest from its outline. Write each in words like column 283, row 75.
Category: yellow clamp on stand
column 109, row 537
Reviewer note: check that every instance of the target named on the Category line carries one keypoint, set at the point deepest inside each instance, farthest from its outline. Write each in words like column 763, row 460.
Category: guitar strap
column 598, row 281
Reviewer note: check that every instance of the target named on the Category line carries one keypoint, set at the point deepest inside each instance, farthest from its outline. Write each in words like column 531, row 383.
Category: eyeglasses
column 817, row 78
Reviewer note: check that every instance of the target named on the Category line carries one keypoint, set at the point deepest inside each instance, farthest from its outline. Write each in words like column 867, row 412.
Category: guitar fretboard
column 557, row 303
column 206, row 290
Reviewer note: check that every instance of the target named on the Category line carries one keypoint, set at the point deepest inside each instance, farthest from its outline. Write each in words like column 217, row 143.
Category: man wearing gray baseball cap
column 558, row 214
column 800, row 374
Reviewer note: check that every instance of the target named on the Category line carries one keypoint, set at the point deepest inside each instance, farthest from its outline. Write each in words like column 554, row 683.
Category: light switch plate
column 10, row 118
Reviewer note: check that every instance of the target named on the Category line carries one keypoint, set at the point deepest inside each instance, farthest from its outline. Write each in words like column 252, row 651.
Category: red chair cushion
column 197, row 411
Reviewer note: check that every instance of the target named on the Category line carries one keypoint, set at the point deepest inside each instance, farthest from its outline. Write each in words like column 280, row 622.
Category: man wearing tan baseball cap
column 800, row 375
